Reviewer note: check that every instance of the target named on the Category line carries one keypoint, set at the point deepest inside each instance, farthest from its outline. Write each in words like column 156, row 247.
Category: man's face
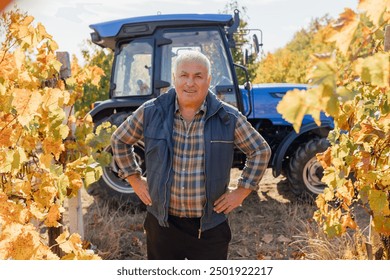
column 191, row 82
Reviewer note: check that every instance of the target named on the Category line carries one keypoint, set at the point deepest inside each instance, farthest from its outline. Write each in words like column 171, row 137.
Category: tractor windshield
column 210, row 43
column 133, row 70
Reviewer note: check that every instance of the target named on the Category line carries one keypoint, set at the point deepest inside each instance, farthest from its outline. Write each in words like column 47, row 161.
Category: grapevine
column 352, row 84
column 46, row 154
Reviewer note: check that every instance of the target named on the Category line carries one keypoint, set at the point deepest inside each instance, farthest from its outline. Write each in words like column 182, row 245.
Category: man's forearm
column 255, row 167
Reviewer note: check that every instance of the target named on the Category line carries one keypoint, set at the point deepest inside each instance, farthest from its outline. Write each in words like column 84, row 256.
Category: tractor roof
column 106, row 33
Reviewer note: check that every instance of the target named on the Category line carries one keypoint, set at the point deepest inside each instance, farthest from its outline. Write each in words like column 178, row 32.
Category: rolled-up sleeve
column 122, row 141
column 257, row 151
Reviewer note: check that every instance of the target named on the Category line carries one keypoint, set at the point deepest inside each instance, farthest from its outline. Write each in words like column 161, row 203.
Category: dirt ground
column 271, row 224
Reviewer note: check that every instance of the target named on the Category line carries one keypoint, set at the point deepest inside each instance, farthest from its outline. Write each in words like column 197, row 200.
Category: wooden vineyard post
column 387, row 38
column 74, row 204
column 76, row 224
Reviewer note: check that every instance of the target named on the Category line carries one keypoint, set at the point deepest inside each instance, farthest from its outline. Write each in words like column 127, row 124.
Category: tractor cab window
column 133, row 69
column 210, row 43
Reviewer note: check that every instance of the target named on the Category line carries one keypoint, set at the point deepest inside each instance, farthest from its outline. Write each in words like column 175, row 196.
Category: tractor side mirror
column 256, row 44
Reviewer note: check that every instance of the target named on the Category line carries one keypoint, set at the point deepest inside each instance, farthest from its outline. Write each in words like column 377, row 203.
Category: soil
column 271, row 224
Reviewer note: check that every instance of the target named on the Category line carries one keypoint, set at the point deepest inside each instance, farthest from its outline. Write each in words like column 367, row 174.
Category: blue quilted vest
column 219, row 151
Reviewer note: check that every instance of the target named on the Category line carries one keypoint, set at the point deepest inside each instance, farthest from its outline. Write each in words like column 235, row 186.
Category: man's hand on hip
column 231, row 200
column 140, row 187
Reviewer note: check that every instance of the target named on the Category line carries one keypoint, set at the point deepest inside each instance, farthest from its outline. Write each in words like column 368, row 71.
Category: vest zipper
column 205, row 177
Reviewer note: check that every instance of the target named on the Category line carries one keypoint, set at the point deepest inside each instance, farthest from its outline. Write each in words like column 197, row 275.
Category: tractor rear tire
column 305, row 171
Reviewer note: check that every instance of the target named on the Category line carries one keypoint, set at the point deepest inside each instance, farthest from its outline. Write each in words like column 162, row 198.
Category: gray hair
column 192, row 56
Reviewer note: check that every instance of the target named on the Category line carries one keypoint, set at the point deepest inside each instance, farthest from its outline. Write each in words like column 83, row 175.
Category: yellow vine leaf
column 96, row 74
column 19, row 57
column 323, row 73
column 332, row 224
column 321, row 202
column 297, row 103
column 11, row 212
column 22, row 31
column 44, row 196
column 22, row 187
column 54, row 98
column 346, row 193
column 22, row 242
column 370, row 128
column 53, row 146
column 6, row 158
column 5, row 136
column 76, row 182
column 385, row 179
column 344, row 30
column 53, row 216
column 42, row 33
column 72, row 246
column 293, row 107
column 36, row 211
column 46, row 160
column 325, row 158
column 374, row 8
column 26, row 104
column 374, row 69
column 67, row 243
column 26, row 21
column 348, row 222
column 3, row 89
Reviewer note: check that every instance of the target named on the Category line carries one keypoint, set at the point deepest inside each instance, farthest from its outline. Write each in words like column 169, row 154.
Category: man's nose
column 190, row 81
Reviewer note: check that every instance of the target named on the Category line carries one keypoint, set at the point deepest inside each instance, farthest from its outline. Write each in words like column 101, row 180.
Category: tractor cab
column 146, row 48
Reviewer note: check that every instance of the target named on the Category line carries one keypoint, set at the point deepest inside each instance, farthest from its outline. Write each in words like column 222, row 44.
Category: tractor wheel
column 305, row 171
column 110, row 188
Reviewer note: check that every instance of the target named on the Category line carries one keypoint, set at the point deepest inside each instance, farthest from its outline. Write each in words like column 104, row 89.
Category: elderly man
column 189, row 137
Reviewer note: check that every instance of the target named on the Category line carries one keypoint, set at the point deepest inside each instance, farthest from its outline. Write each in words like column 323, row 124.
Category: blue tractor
column 145, row 48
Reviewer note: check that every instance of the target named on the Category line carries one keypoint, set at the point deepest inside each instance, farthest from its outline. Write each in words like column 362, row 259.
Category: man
column 189, row 138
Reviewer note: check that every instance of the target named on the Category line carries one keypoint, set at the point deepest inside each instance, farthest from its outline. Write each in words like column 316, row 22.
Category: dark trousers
column 180, row 240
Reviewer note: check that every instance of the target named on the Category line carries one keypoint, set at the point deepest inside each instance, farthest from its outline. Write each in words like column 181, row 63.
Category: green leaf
column 382, row 224
column 379, row 202
column 323, row 73
column 89, row 178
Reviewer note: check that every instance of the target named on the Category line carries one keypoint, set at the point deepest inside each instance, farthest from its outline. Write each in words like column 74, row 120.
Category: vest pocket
column 155, row 149
column 221, row 158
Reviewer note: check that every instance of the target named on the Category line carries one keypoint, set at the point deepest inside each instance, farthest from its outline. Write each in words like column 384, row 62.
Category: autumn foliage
column 46, row 153
column 352, row 84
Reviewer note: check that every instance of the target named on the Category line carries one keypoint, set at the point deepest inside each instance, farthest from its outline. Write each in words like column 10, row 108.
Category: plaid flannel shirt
column 188, row 188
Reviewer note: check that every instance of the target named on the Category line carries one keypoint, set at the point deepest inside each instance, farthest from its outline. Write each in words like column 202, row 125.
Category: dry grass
column 115, row 234
column 315, row 245
column 271, row 224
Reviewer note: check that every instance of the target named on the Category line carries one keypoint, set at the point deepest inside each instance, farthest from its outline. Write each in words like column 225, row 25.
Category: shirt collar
column 203, row 107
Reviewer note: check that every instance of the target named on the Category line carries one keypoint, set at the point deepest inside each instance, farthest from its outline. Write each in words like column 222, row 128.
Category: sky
column 68, row 20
